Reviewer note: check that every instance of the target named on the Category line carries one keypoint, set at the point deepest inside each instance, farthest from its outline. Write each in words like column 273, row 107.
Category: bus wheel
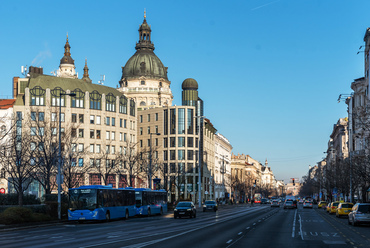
column 161, row 213
column 107, row 216
column 126, row 215
column 149, row 213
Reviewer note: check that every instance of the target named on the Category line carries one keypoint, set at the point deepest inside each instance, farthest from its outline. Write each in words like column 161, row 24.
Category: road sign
column 2, row 191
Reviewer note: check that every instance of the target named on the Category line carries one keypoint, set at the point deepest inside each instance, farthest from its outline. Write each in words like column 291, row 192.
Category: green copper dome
column 190, row 84
column 144, row 62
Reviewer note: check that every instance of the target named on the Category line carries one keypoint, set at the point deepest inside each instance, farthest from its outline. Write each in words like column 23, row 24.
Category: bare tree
column 18, row 158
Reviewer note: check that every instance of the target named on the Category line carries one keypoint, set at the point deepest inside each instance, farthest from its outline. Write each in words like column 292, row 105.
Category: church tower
column 144, row 77
column 67, row 67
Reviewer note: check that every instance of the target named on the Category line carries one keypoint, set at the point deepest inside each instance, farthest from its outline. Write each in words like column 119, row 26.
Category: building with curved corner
column 100, row 121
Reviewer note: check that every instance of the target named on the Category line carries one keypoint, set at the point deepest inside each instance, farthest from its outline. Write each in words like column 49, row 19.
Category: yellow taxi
column 343, row 209
column 333, row 207
column 328, row 207
column 322, row 204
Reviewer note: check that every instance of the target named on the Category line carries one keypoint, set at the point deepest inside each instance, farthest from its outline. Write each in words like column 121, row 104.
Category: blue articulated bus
column 150, row 202
column 98, row 202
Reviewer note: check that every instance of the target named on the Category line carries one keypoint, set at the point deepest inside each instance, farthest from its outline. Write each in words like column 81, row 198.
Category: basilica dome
column 144, row 62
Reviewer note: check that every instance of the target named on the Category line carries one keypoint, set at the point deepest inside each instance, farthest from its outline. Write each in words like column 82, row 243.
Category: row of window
column 148, row 117
column 40, row 116
column 58, row 95
column 180, row 155
column 148, row 130
column 180, row 168
column 178, row 117
column 180, row 142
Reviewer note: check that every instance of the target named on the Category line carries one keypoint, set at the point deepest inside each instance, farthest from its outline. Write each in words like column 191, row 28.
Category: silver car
column 360, row 214
column 275, row 203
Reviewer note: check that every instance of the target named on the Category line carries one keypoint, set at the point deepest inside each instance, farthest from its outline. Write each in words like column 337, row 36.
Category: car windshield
column 210, row 202
column 335, row 204
column 347, row 205
column 184, row 204
column 364, row 208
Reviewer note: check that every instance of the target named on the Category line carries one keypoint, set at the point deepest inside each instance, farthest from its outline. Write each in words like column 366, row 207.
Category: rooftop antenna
column 24, row 70
column 102, row 79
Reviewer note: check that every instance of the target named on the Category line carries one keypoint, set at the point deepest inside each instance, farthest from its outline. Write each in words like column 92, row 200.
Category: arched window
column 123, row 105
column 142, row 103
column 132, row 107
column 78, row 100
column 95, row 100
column 55, row 97
column 37, row 96
column 110, row 103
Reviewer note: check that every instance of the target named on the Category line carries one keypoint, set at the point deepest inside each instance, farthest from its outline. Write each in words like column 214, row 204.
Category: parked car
column 343, row 209
column 333, row 207
column 185, row 209
column 307, row 204
column 275, row 203
column 264, row 201
column 360, row 214
column 300, row 201
column 210, row 205
column 322, row 204
column 290, row 204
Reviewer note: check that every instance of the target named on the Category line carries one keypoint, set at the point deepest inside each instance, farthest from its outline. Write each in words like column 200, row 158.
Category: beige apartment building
column 100, row 121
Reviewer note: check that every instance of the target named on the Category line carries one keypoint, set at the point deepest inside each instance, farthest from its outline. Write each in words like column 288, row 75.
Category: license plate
column 182, row 213
column 82, row 218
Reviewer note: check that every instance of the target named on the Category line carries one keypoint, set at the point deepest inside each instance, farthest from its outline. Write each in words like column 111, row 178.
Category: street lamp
column 223, row 171
column 150, row 160
column 59, row 176
column 200, row 120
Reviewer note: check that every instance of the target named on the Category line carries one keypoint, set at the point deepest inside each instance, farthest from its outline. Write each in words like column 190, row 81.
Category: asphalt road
column 231, row 226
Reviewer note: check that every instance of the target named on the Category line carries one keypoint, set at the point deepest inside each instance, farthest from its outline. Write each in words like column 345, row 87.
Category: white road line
column 228, row 242
column 300, row 226
column 240, row 233
column 293, row 231
column 254, row 224
column 247, row 228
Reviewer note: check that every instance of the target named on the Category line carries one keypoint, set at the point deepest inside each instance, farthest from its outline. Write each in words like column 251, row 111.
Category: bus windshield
column 82, row 199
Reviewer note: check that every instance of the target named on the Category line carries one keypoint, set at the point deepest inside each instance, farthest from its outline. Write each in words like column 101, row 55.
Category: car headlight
column 95, row 214
column 175, row 210
column 189, row 209
column 204, row 206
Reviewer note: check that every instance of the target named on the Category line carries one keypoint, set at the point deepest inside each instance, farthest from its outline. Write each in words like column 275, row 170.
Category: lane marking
column 228, row 242
column 300, row 226
column 247, row 228
column 240, row 233
column 293, row 231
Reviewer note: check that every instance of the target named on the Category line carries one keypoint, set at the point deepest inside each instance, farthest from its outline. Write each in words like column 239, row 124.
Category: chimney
column 36, row 70
column 15, row 87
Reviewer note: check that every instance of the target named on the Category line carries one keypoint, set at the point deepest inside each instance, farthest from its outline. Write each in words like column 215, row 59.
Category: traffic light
column 293, row 182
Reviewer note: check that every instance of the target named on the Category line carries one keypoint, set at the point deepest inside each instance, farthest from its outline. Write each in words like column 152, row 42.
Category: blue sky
column 270, row 72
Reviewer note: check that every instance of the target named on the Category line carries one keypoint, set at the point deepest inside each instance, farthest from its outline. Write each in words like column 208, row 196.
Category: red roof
column 6, row 103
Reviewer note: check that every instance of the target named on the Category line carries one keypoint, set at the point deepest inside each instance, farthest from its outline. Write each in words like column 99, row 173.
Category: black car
column 210, row 205
column 185, row 209
column 264, row 201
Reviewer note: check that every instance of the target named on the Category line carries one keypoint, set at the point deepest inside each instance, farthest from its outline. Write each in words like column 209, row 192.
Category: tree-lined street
column 231, row 226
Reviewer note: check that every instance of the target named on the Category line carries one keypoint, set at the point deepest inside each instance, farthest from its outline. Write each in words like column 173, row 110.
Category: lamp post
column 150, row 160
column 200, row 120
column 223, row 171
column 59, row 175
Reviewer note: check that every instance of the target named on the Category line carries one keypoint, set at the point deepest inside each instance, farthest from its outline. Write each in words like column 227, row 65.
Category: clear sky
column 270, row 72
